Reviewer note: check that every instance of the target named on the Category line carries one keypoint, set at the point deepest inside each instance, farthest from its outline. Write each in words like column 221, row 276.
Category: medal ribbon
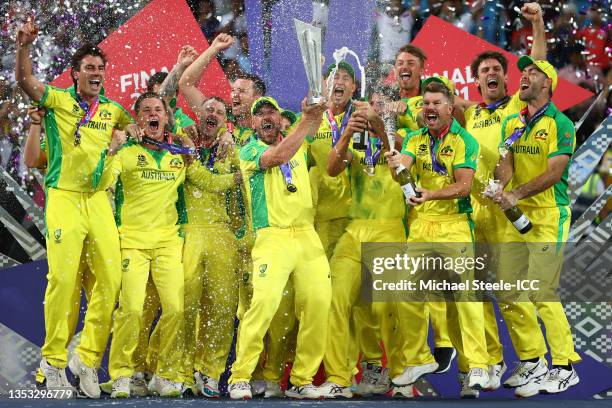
column 171, row 147
column 516, row 135
column 438, row 167
column 90, row 111
column 373, row 151
column 336, row 133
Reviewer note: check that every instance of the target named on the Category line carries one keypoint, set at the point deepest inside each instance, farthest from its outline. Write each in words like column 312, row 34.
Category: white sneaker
column 121, row 387
column 207, row 386
column 138, row 385
column 273, row 390
column 466, row 391
column 524, row 372
column 55, row 379
column 258, row 387
column 307, row 391
column 240, row 390
column 478, row 378
column 403, row 391
column 87, row 376
column 164, row 387
column 559, row 380
column 375, row 380
column 332, row 390
column 496, row 371
column 413, row 373
column 532, row 387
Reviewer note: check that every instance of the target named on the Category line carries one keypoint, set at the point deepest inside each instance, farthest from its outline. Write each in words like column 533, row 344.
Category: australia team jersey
column 149, row 199
column 485, row 125
column 207, row 189
column 271, row 204
column 181, row 121
column 457, row 149
column 377, row 196
column 553, row 134
column 71, row 167
column 408, row 119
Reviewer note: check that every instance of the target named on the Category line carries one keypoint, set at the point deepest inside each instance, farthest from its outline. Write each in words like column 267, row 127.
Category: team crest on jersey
column 541, row 134
column 75, row 109
column 57, row 234
column 142, row 161
column 446, row 151
column 176, row 163
column 125, row 264
column 105, row 115
column 422, row 150
column 419, row 103
column 262, row 270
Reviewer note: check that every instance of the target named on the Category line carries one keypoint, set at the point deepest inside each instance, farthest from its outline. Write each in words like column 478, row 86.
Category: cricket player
column 286, row 246
column 444, row 157
column 78, row 127
column 538, row 143
column 149, row 208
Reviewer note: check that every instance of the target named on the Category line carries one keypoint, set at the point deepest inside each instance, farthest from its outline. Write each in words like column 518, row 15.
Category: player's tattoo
column 169, row 87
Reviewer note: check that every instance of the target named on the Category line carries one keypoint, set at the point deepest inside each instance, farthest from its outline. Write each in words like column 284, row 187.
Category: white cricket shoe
column 466, row 391
column 478, row 378
column 87, row 376
column 524, row 372
column 207, row 386
column 403, row 391
column 55, row 379
column 273, row 390
column 121, row 387
column 258, row 387
column 240, row 390
column 307, row 391
column 413, row 373
column 164, row 387
column 496, row 371
column 331, row 390
column 559, row 380
column 138, row 385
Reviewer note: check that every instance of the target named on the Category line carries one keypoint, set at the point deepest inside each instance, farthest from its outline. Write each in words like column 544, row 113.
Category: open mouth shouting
column 153, row 125
column 95, row 84
column 339, row 91
column 431, row 118
column 492, row 83
column 405, row 76
column 210, row 124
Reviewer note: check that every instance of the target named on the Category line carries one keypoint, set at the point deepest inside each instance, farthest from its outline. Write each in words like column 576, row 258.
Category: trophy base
column 313, row 100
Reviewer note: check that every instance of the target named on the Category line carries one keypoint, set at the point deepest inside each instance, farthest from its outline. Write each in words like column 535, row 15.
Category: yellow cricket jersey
column 374, row 197
column 553, row 134
column 243, row 135
column 71, row 167
column 149, row 197
column 408, row 119
column 485, row 125
column 207, row 191
column 458, row 149
column 271, row 204
column 334, row 193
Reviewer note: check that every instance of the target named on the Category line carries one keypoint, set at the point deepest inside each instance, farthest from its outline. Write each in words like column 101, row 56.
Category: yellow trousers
column 165, row 267
column 278, row 254
column 542, row 258
column 74, row 220
column 451, row 236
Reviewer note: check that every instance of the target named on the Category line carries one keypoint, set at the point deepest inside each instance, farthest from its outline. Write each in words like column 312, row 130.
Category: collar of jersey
column 103, row 99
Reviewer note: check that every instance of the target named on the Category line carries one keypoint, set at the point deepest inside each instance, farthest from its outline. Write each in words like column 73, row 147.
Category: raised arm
column 190, row 78
column 286, row 149
column 169, row 87
column 23, row 65
column 533, row 13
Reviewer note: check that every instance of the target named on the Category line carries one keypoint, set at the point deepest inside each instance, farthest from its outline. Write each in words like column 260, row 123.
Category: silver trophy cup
column 309, row 38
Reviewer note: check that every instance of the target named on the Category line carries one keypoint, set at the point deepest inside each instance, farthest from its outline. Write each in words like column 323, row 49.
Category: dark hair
column 84, row 50
column 414, row 50
column 148, row 95
column 258, row 84
column 385, row 90
column 156, row 78
column 488, row 55
column 437, row 87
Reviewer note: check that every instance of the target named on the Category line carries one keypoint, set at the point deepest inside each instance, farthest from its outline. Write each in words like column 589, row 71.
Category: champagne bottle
column 359, row 140
column 404, row 178
column 518, row 219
